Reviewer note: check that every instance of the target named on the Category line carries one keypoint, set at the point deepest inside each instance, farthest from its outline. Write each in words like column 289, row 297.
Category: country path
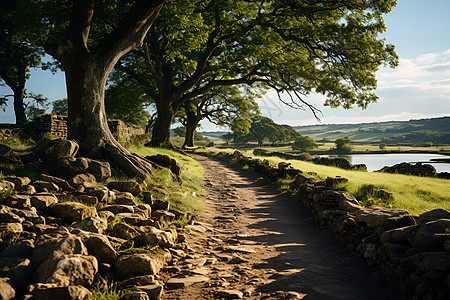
column 256, row 243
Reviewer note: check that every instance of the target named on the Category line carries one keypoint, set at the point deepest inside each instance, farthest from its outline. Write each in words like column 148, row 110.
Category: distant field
column 416, row 194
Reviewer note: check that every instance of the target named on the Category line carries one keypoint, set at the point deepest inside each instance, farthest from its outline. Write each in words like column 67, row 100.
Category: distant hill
column 436, row 130
column 393, row 131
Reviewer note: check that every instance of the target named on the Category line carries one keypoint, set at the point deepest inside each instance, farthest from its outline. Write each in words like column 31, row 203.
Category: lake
column 378, row 161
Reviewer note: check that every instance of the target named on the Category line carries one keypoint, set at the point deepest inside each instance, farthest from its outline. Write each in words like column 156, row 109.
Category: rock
column 92, row 224
column 230, row 294
column 19, row 182
column 57, row 247
column 163, row 215
column 153, row 291
column 428, row 261
column 166, row 162
column 45, row 186
column 131, row 218
column 81, row 179
column 73, row 269
column 98, row 245
column 153, row 237
column 6, row 290
column 125, row 198
column 62, row 293
column 7, row 216
column 103, row 194
column 124, row 231
column 28, row 190
column 116, row 209
column 4, row 150
column 417, row 169
column 135, row 296
column 432, row 235
column 21, row 249
column 138, row 281
column 178, row 283
column 195, row 261
column 18, row 201
column 126, row 186
column 140, row 264
column 17, row 269
column 100, row 169
column 433, row 215
column 334, row 181
column 147, row 197
column 43, row 201
column 106, row 214
column 68, row 167
column 87, row 199
column 403, row 235
column 72, row 211
column 348, row 202
column 11, row 227
column 160, row 204
column 61, row 183
column 301, row 179
column 144, row 209
column 64, row 148
column 376, row 216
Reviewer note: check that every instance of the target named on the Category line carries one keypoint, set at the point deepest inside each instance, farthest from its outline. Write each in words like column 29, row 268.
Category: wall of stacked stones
column 412, row 253
column 56, row 126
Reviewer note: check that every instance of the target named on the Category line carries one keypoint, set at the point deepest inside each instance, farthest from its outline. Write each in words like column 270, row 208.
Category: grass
column 182, row 194
column 112, row 292
column 17, row 144
column 416, row 194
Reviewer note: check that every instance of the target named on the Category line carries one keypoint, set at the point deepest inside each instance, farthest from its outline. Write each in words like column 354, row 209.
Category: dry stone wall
column 412, row 253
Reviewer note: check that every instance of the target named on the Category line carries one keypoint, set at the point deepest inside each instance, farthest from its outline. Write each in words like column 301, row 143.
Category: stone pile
column 66, row 233
column 417, row 169
column 327, row 161
column 412, row 253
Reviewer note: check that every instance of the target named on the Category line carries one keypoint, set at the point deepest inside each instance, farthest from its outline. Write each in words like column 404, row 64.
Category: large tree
column 88, row 48
column 22, row 32
column 294, row 47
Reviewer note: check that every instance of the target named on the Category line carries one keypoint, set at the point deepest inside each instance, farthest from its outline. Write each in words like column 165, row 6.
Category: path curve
column 269, row 247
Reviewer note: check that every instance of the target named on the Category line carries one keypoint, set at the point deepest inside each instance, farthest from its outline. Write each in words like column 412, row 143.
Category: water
column 378, row 161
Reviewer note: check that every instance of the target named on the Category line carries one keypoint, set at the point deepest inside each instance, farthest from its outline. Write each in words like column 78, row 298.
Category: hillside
column 414, row 131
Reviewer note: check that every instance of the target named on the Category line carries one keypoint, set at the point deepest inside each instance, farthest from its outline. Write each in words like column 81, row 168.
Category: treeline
column 421, row 137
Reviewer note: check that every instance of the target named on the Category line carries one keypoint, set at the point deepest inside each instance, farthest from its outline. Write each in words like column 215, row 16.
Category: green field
column 416, row 194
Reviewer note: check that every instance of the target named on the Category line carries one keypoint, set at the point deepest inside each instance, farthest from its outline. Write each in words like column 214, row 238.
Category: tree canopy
column 304, row 143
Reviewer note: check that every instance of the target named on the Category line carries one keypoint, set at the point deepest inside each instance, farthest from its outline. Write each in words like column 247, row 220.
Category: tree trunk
column 161, row 129
column 19, row 95
column 192, row 121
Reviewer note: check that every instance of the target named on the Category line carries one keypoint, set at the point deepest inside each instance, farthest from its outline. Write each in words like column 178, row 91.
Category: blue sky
column 418, row 88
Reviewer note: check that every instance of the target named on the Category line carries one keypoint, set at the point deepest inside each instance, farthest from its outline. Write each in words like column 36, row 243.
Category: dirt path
column 256, row 243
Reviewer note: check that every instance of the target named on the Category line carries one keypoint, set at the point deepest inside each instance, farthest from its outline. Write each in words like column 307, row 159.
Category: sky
column 418, row 88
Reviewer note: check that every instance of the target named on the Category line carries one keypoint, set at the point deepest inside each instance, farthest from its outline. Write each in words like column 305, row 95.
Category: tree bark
column 192, row 121
column 161, row 129
column 19, row 95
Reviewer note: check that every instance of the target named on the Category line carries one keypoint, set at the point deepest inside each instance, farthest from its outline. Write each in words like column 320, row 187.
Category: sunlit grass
column 164, row 185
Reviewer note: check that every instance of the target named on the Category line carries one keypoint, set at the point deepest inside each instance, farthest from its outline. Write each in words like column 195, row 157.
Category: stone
column 100, row 169
column 145, row 209
column 6, row 290
column 124, row 231
column 166, row 162
column 21, row 249
column 230, row 294
column 403, row 235
column 417, row 169
column 140, row 264
column 160, row 204
column 147, row 197
column 132, row 187
column 135, row 296
column 4, row 150
column 432, row 235
column 153, row 237
column 72, row 211
column 57, row 247
column 10, row 217
column 92, row 224
column 11, row 227
column 87, row 199
column 178, row 283
column 45, row 186
column 28, row 190
column 116, row 209
column 195, row 261
column 163, row 215
column 17, row 269
column 61, row 183
column 138, row 281
column 153, row 291
column 125, row 198
column 6, row 185
column 81, row 179
column 131, row 218
column 428, row 261
column 43, row 201
column 73, row 269
column 98, row 245
column 62, row 293
column 348, row 202
column 18, row 201
column 19, row 182
column 103, row 194
column 64, row 148
column 433, row 215
column 68, row 167
column 375, row 216
column 105, row 214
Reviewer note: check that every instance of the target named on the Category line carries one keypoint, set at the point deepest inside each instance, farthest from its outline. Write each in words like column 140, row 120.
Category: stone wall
column 412, row 253
column 56, row 126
